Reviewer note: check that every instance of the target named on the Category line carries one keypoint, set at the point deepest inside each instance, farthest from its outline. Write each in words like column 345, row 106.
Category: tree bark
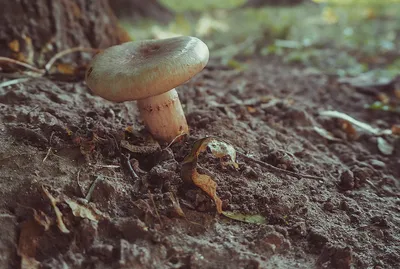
column 33, row 31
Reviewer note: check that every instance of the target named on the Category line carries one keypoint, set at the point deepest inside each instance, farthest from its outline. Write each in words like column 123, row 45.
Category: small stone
column 298, row 228
column 317, row 239
column 103, row 250
column 361, row 173
column 380, row 221
column 347, row 180
column 276, row 241
column 328, row 206
column 158, row 174
column 250, row 173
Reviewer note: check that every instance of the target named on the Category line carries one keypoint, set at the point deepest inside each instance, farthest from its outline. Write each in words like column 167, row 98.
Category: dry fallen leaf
column 176, row 205
column 219, row 149
column 14, row 45
column 28, row 243
column 325, row 134
column 396, row 129
column 349, row 129
column 42, row 219
column 245, row 218
column 82, row 211
column 383, row 98
column 53, row 201
column 209, row 186
column 66, row 69
column 251, row 109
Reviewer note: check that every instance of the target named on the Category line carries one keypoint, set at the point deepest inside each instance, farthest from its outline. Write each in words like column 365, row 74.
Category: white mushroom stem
column 163, row 116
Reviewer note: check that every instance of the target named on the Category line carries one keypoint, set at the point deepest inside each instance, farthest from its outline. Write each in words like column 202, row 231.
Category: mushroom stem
column 163, row 116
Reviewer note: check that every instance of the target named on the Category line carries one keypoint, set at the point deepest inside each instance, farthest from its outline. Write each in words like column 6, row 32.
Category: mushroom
column 148, row 71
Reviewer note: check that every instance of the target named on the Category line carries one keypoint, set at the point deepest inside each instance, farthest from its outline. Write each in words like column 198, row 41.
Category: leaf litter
column 227, row 155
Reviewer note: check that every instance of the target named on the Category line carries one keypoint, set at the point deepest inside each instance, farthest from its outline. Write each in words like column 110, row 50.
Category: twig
column 13, row 82
column 173, row 140
column 47, row 155
column 65, row 52
column 389, row 193
column 91, row 189
column 130, row 168
column 28, row 66
column 78, row 180
column 48, row 152
column 105, row 166
column 278, row 170
column 155, row 208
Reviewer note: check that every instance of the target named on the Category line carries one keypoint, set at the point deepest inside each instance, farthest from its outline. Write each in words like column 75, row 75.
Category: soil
column 57, row 136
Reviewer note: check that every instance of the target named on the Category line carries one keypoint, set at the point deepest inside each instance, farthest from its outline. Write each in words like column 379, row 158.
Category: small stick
column 78, row 180
column 155, row 208
column 278, row 170
column 389, row 193
column 173, row 140
column 47, row 155
column 65, row 52
column 28, row 66
column 91, row 189
column 130, row 168
column 111, row 166
column 48, row 152
column 13, row 82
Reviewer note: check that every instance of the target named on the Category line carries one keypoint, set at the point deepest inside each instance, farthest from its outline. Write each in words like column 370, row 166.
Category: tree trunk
column 34, row 30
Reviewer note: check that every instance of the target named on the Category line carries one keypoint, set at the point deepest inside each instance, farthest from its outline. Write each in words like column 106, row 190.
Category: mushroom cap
column 141, row 69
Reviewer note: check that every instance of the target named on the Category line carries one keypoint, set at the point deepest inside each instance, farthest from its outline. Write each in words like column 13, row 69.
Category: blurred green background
column 339, row 37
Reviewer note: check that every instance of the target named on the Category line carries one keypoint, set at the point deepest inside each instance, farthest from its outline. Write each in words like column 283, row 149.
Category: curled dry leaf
column 209, row 186
column 219, row 149
column 53, row 202
column 82, row 211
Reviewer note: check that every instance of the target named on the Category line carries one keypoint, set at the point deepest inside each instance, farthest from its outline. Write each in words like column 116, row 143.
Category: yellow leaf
column 66, row 69
column 53, row 202
column 219, row 149
column 42, row 219
column 14, row 45
column 82, row 211
column 209, row 186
